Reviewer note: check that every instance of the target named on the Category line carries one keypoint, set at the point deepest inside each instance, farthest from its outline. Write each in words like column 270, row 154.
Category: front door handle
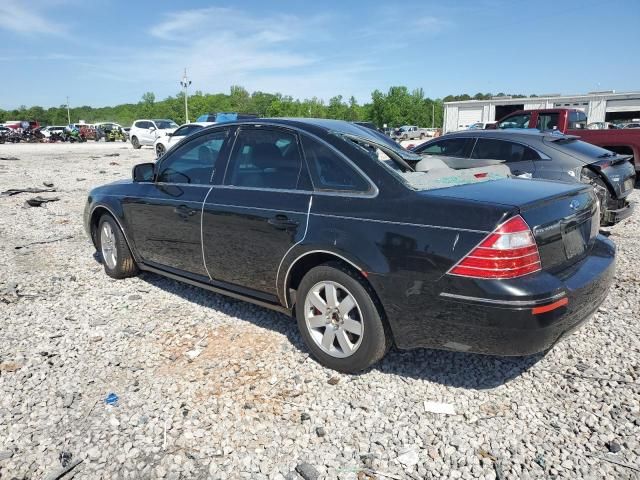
column 184, row 212
column 282, row 222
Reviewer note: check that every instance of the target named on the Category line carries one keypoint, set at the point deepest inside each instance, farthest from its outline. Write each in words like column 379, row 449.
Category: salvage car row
column 477, row 242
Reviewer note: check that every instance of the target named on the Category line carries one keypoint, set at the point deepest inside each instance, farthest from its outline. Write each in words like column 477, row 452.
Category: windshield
column 164, row 124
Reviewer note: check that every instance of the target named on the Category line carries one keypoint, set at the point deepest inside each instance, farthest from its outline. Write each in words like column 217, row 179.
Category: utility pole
column 433, row 114
column 185, row 82
column 68, row 114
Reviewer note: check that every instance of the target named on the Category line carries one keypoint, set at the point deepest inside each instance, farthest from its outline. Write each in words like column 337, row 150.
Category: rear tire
column 339, row 320
column 116, row 257
column 135, row 143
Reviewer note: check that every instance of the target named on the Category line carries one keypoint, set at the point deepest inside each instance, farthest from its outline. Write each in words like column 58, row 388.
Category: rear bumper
column 506, row 324
column 612, row 216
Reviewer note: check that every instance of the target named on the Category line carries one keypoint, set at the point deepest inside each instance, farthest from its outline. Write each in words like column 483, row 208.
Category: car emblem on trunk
column 575, row 204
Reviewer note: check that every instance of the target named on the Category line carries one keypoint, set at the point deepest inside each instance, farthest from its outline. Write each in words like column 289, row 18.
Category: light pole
column 68, row 114
column 185, row 82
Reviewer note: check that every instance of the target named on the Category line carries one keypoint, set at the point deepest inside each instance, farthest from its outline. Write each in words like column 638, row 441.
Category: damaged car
column 365, row 244
column 548, row 155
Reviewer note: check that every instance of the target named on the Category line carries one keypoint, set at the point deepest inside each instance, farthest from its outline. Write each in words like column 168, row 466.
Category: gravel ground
column 248, row 402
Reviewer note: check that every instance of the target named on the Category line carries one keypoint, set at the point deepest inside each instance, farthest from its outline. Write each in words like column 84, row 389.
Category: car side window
column 194, row 162
column 265, row 158
column 492, row 149
column 547, row 121
column 516, row 121
column 577, row 120
column 450, row 147
column 329, row 172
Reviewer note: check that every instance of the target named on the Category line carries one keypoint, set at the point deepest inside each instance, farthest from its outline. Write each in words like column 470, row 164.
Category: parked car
column 110, row 131
column 327, row 221
column 165, row 142
column 632, row 125
column 573, row 122
column 602, row 126
column 47, row 131
column 479, row 125
column 145, row 132
column 547, row 155
column 5, row 132
column 221, row 117
column 410, row 132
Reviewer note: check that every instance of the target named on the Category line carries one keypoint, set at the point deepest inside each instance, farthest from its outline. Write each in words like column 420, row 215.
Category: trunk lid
column 564, row 217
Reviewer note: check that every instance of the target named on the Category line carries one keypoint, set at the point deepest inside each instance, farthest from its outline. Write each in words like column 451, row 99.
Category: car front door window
column 194, row 162
column 450, row 147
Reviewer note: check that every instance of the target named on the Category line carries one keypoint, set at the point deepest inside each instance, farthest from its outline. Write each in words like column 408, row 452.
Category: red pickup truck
column 573, row 122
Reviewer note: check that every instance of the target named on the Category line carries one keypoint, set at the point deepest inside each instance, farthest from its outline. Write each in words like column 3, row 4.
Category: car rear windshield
column 573, row 145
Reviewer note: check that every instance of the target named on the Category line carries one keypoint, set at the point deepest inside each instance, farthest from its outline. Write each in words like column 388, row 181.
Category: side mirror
column 143, row 172
column 152, row 129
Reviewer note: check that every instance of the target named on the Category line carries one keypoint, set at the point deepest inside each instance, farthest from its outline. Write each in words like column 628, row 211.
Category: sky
column 105, row 52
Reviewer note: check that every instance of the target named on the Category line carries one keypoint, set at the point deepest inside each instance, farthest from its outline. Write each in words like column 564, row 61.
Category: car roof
column 522, row 133
column 202, row 124
column 329, row 126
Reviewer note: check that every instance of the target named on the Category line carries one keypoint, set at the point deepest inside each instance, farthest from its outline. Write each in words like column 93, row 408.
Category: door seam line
column 204, row 260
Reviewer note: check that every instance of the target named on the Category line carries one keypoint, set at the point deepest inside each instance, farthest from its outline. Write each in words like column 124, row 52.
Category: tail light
column 510, row 251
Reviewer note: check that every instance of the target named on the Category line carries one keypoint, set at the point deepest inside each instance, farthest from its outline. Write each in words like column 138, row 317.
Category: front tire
column 339, row 320
column 116, row 256
column 135, row 143
column 160, row 150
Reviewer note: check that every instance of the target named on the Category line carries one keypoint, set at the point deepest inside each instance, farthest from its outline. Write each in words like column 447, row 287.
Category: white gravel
column 252, row 404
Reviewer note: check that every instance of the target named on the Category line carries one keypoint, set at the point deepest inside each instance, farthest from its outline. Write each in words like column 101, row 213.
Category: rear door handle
column 282, row 222
column 184, row 212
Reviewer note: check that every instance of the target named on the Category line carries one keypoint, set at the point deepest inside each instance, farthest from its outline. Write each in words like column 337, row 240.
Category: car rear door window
column 194, row 162
column 547, row 121
column 450, row 147
column 265, row 158
column 493, row 149
column 329, row 172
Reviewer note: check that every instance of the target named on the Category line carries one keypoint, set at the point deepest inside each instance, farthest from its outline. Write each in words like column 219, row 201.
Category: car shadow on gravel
column 455, row 369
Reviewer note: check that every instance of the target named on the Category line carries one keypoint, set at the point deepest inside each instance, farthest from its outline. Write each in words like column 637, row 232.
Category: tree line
column 398, row 106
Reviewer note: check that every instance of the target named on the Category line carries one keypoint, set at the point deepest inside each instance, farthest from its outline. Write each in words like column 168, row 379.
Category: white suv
column 145, row 132
column 165, row 142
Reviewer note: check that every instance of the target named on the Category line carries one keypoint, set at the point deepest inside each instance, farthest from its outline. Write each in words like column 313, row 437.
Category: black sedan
column 327, row 221
column 546, row 155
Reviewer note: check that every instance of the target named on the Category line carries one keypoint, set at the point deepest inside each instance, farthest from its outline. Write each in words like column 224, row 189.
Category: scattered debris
column 65, row 458
column 9, row 158
column 333, row 380
column 615, row 461
column 304, row 416
column 112, row 399
column 44, row 242
column 613, row 446
column 37, row 201
column 48, row 184
column 112, row 155
column 540, row 460
column 307, row 471
column 16, row 191
column 409, row 457
column 58, row 474
column 10, row 367
column 114, row 163
column 80, row 179
column 484, row 454
column 439, row 408
column 321, row 432
column 193, row 354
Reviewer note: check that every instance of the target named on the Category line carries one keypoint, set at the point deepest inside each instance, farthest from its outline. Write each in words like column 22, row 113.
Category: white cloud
column 20, row 19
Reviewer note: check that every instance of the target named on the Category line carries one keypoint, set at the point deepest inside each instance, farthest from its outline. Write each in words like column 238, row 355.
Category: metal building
column 599, row 107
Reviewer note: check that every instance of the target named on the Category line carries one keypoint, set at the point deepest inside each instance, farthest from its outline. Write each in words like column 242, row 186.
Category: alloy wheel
column 108, row 245
column 334, row 319
column 160, row 150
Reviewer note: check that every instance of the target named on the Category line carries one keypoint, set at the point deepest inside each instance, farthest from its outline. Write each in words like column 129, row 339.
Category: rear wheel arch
column 306, row 262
